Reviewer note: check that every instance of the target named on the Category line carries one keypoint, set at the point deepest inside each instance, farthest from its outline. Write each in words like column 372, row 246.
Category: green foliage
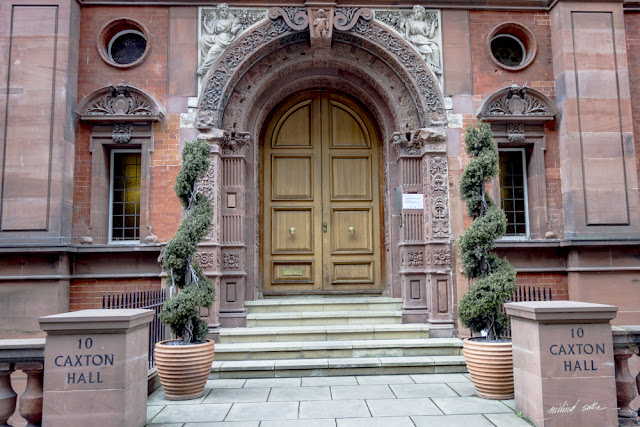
column 181, row 312
column 479, row 309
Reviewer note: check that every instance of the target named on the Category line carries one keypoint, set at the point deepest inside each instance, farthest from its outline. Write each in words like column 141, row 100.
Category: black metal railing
column 529, row 293
column 152, row 300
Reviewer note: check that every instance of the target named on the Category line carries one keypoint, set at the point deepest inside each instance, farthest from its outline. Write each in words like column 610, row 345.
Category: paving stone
column 469, row 405
column 165, row 425
column 157, row 399
column 272, row 382
column 375, row 422
column 192, row 413
column 288, row 394
column 507, row 420
column 235, row 395
column 232, row 383
column 475, row 420
column 300, row 423
column 225, row 424
column 350, row 392
column 440, row 378
column 263, row 411
column 334, row 409
column 385, row 379
column 422, row 390
column 320, row 381
column 511, row 403
column 402, row 407
column 152, row 411
column 463, row 389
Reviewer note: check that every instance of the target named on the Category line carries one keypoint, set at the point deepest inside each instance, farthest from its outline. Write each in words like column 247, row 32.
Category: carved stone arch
column 122, row 118
column 276, row 35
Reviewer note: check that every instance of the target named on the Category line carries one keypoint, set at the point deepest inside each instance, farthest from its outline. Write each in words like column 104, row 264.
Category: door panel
column 350, row 178
column 322, row 220
column 292, row 177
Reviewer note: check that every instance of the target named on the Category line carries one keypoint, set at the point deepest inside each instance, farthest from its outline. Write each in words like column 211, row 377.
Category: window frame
column 525, row 184
column 110, row 240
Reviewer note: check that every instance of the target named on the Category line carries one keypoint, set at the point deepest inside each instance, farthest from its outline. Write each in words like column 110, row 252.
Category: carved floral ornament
column 120, row 105
column 412, row 38
column 517, row 104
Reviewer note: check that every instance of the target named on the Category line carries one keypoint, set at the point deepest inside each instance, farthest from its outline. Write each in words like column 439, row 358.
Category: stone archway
column 367, row 61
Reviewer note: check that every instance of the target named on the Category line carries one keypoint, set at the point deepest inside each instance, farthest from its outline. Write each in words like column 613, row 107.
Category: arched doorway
column 322, row 227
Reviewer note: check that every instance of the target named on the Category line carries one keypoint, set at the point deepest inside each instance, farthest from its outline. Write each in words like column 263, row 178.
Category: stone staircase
column 316, row 336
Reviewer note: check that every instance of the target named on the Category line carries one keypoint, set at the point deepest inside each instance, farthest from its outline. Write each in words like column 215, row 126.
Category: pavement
column 348, row 401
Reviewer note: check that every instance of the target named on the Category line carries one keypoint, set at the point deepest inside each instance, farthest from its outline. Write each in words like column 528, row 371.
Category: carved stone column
column 234, row 231
column 425, row 246
column 31, row 399
column 209, row 254
column 223, row 255
column 7, row 395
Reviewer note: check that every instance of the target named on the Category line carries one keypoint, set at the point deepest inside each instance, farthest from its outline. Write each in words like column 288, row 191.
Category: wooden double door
column 322, row 227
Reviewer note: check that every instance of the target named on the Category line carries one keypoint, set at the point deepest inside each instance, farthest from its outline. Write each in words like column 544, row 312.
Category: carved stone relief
column 231, row 260
column 438, row 181
column 121, row 133
column 515, row 133
column 420, row 141
column 119, row 101
column 516, row 102
column 219, row 27
column 442, row 256
column 421, row 28
column 204, row 259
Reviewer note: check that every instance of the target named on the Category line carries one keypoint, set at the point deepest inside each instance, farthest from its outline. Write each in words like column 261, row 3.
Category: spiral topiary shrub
column 181, row 312
column 493, row 278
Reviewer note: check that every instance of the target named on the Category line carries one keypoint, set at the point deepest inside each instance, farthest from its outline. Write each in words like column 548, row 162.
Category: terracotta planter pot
column 491, row 367
column 184, row 369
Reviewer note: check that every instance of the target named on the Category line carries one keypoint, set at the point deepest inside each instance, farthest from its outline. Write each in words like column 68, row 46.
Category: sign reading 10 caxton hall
column 83, row 367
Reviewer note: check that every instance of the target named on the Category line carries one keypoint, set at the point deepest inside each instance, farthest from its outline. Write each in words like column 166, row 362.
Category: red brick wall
column 632, row 30
column 87, row 294
column 488, row 78
column 151, row 77
column 556, row 281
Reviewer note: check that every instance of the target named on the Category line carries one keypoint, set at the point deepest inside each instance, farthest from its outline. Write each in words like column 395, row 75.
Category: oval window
column 127, row 47
column 123, row 43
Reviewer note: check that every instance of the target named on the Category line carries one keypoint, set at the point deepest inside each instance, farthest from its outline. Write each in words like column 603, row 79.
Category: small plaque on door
column 292, row 271
column 412, row 201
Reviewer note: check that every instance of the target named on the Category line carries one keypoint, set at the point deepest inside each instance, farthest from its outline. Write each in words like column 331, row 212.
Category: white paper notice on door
column 412, row 201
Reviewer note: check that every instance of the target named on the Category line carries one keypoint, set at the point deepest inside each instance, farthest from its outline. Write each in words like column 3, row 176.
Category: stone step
column 339, row 349
column 300, row 304
column 324, row 333
column 342, row 366
column 323, row 318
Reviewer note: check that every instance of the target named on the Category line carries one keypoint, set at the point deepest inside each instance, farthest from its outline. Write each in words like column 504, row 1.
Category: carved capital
column 215, row 136
column 421, row 141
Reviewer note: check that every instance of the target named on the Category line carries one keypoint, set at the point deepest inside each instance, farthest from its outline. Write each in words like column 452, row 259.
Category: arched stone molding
column 274, row 34
column 122, row 117
column 517, row 116
column 377, row 67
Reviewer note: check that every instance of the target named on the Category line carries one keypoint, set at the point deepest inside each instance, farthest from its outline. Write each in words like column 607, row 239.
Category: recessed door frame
column 327, row 204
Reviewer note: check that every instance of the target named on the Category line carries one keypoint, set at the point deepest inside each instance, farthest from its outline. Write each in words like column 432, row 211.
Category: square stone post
column 563, row 363
column 96, row 368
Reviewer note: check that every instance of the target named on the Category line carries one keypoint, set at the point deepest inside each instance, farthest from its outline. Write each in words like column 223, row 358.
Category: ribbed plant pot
column 491, row 367
column 184, row 369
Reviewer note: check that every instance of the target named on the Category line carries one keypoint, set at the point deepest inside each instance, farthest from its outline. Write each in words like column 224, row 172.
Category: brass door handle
column 351, row 230
column 292, row 231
